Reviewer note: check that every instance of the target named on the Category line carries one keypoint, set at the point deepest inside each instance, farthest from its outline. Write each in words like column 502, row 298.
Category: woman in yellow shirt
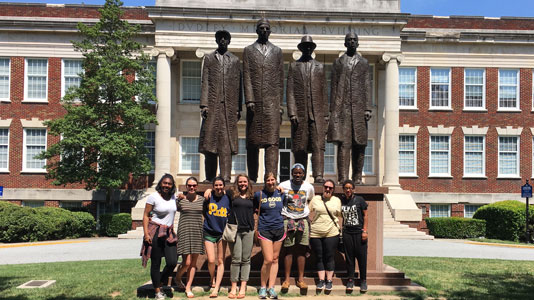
column 324, row 232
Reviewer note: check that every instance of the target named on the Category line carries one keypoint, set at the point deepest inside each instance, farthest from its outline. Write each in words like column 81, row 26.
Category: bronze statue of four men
column 344, row 123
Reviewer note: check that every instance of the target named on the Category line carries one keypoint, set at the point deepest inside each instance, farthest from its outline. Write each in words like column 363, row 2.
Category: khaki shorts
column 297, row 237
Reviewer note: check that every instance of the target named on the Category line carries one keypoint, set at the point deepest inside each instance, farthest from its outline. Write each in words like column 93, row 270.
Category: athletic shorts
column 212, row 238
column 297, row 237
column 276, row 235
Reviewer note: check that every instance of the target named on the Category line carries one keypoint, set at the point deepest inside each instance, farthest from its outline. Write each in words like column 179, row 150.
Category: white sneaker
column 160, row 295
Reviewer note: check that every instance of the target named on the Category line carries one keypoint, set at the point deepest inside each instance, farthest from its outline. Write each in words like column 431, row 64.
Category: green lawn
column 118, row 279
column 463, row 278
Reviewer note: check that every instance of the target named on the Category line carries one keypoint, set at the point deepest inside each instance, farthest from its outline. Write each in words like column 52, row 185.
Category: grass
column 450, row 278
column 463, row 278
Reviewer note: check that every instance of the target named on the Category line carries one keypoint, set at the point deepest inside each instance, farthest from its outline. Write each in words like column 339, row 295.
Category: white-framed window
column 5, row 72
column 190, row 157
column 33, row 203
column 407, row 155
column 440, row 88
column 4, row 149
column 36, row 81
column 34, row 144
column 474, row 156
column 408, row 88
column 509, row 156
column 330, row 159
column 368, row 162
column 474, row 89
column 440, row 210
column 440, row 155
column 190, row 80
column 239, row 161
column 70, row 74
column 470, row 209
column 508, row 89
column 150, row 145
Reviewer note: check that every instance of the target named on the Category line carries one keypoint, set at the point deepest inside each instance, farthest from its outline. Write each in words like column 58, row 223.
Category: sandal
column 240, row 296
column 189, row 294
column 214, row 294
column 231, row 295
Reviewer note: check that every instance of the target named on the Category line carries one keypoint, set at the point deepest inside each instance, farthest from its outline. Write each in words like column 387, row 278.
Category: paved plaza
column 112, row 248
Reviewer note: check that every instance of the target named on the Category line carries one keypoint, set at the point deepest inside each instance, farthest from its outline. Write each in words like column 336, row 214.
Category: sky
column 487, row 8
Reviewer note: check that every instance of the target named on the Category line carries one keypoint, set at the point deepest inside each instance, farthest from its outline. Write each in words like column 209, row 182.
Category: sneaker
column 320, row 284
column 272, row 293
column 302, row 285
column 262, row 294
column 328, row 286
column 350, row 285
column 159, row 295
column 363, row 286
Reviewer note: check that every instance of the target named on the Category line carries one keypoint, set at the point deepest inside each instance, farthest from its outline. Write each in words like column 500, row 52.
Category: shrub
column 505, row 220
column 115, row 224
column 25, row 224
column 456, row 228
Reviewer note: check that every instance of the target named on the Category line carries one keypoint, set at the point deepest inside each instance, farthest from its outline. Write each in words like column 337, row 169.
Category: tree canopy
column 103, row 131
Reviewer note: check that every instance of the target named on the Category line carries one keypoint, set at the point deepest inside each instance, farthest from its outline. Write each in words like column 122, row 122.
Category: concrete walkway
column 112, row 248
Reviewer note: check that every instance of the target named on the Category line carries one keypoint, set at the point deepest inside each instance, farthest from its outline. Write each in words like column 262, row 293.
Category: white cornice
column 33, row 123
column 5, row 123
column 440, row 129
column 509, row 130
column 475, row 130
column 406, row 129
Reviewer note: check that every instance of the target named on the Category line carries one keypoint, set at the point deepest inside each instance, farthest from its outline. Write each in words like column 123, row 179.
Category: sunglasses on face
column 328, row 187
column 191, row 185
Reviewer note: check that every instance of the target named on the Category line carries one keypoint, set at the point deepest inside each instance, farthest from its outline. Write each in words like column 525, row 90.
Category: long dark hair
column 235, row 188
column 173, row 189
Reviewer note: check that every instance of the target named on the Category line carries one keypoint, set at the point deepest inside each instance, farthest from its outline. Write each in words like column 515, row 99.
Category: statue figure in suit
column 350, row 109
column 220, row 104
column 307, row 108
column 263, row 80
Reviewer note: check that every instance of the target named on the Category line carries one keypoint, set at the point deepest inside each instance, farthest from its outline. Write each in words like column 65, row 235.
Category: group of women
column 203, row 220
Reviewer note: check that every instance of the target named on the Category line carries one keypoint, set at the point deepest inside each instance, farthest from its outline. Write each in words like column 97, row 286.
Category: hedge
column 456, row 228
column 505, row 220
column 26, row 224
column 115, row 224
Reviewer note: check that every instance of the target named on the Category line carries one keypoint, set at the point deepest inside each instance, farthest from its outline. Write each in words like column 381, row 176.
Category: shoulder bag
column 230, row 230
column 340, row 245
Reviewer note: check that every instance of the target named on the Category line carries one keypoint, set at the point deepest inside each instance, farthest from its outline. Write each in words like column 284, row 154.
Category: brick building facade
column 463, row 97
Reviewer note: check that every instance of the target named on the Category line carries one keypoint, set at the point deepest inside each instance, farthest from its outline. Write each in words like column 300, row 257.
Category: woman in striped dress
column 190, row 243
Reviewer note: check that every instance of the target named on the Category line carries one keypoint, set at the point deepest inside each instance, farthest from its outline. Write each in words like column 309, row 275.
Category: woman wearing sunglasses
column 324, row 232
column 190, row 243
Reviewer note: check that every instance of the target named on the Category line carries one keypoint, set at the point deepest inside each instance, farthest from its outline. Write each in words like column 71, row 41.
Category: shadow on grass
column 495, row 286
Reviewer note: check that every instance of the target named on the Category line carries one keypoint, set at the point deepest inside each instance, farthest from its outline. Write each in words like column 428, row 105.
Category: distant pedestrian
column 159, row 236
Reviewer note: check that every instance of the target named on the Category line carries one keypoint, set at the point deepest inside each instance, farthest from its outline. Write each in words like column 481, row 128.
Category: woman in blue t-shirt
column 269, row 203
column 215, row 210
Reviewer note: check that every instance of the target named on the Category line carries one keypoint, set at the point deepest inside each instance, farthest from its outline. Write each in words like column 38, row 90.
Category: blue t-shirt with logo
column 216, row 211
column 271, row 209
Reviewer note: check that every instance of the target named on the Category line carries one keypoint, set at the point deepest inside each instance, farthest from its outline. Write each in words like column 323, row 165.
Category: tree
column 102, row 133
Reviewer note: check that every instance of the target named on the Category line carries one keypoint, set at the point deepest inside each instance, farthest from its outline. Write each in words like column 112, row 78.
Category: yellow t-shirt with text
column 321, row 224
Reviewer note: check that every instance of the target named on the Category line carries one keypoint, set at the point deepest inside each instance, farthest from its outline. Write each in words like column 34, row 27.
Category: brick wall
column 68, row 11
column 458, row 118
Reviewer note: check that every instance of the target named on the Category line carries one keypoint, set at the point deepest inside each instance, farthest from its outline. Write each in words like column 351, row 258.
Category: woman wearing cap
column 269, row 203
column 190, row 242
column 159, row 236
column 324, row 232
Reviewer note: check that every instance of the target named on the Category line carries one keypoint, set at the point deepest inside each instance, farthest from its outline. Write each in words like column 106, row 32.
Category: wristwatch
column 364, row 231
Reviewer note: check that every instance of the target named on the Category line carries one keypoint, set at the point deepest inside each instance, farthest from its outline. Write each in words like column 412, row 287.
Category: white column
column 391, row 166
column 163, row 114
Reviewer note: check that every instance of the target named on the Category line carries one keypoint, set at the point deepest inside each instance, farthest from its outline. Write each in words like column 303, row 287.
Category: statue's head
column 223, row 37
column 263, row 29
column 351, row 41
column 307, row 45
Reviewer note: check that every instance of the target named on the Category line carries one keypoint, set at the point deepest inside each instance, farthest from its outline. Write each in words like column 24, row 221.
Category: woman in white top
column 159, row 236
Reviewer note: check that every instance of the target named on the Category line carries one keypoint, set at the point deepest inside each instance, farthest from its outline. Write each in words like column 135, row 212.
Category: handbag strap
column 330, row 214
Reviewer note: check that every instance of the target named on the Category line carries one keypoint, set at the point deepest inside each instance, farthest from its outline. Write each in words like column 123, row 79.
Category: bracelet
column 364, row 231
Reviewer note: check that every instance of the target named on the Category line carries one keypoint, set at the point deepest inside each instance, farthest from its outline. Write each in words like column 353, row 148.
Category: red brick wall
column 68, row 11
column 458, row 118
column 469, row 23
column 51, row 203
